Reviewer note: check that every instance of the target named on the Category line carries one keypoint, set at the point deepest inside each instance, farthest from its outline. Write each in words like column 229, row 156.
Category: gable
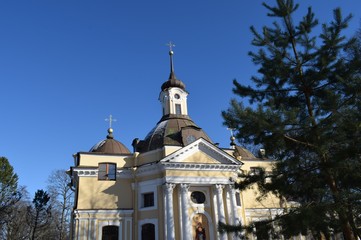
column 200, row 157
column 201, row 152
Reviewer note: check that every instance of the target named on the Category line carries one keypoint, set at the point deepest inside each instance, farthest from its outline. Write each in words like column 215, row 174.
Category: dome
column 110, row 146
column 243, row 153
column 172, row 130
column 173, row 82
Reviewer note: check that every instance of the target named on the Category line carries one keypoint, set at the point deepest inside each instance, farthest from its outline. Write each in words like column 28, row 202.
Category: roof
column 243, row 153
column 110, row 145
column 173, row 82
column 172, row 130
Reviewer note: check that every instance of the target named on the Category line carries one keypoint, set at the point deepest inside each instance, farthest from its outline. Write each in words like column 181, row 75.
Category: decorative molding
column 93, row 172
column 198, row 181
column 91, row 214
column 206, row 147
column 148, row 169
column 198, row 166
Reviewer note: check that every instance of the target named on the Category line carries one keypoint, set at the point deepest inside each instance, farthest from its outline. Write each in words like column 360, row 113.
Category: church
column 174, row 184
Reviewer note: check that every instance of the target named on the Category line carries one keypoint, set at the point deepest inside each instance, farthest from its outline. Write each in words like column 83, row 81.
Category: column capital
column 231, row 188
column 218, row 188
column 168, row 187
column 184, row 187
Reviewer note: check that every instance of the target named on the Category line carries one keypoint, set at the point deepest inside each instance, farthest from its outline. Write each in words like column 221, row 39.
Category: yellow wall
column 95, row 194
column 93, row 160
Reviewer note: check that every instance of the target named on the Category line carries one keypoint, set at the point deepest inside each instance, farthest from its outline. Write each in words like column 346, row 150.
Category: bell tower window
column 178, row 109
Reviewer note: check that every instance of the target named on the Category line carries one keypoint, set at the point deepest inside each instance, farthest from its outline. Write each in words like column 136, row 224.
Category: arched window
column 110, row 233
column 148, row 231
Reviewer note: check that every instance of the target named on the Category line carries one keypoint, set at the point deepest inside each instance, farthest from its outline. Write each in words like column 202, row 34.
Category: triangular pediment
column 201, row 152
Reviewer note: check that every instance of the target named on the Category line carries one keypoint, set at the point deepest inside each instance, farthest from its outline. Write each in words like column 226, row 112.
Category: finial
column 110, row 133
column 171, row 45
column 110, row 129
column 232, row 138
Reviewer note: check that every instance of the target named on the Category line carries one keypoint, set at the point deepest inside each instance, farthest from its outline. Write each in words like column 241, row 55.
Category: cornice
column 198, row 167
column 206, row 147
column 93, row 172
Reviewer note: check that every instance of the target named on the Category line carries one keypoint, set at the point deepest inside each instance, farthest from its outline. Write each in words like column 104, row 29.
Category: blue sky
column 66, row 65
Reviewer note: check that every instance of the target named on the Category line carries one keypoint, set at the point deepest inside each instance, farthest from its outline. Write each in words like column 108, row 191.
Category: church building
column 176, row 183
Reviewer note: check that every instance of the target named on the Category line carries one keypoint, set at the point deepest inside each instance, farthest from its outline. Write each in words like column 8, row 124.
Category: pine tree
column 304, row 109
column 39, row 212
column 9, row 193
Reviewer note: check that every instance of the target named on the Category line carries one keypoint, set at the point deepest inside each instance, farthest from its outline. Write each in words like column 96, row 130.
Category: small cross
column 110, row 120
column 231, row 130
column 170, row 45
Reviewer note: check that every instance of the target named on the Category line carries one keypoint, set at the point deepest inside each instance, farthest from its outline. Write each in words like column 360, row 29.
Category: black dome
column 110, row 146
column 172, row 130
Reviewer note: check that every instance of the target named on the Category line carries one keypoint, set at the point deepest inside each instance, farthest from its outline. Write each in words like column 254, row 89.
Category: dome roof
column 172, row 130
column 243, row 153
column 110, row 145
column 173, row 82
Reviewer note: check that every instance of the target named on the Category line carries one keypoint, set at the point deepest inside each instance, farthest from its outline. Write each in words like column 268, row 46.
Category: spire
column 172, row 74
column 172, row 80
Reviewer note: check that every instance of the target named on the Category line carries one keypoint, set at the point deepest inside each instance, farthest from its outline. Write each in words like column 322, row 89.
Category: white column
column 168, row 191
column 233, row 208
column 186, row 230
column 220, row 207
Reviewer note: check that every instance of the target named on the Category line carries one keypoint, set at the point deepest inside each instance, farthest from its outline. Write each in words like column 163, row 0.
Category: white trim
column 93, row 172
column 205, row 181
column 199, row 166
column 148, row 187
column 206, row 147
column 107, row 212
column 153, row 221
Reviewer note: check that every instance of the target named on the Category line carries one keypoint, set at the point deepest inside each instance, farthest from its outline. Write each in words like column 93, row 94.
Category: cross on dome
column 110, row 120
column 170, row 45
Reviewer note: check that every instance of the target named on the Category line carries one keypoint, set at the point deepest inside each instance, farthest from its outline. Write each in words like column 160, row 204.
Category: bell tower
column 173, row 96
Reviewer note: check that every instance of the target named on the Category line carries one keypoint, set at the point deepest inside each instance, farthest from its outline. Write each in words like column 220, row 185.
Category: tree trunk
column 342, row 213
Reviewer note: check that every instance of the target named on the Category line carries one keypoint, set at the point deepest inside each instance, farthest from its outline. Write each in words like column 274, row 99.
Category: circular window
column 198, row 197
column 176, row 96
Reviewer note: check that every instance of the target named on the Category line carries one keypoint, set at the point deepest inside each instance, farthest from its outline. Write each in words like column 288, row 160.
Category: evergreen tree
column 39, row 213
column 304, row 109
column 9, row 193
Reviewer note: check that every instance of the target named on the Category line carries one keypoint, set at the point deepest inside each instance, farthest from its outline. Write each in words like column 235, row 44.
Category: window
column 198, row 197
column 238, row 199
column 148, row 231
column 110, row 233
column 178, row 109
column 107, row 171
column 255, row 170
column 148, row 199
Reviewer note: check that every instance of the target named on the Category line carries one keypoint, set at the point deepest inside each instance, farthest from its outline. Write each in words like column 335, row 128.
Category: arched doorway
column 148, row 231
column 110, row 233
column 200, row 227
